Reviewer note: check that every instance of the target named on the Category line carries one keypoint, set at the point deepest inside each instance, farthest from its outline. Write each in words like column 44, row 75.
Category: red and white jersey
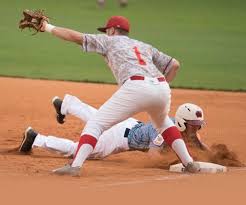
column 127, row 57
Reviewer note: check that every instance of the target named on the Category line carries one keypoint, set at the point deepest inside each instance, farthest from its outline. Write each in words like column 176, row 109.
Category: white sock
column 179, row 147
column 84, row 151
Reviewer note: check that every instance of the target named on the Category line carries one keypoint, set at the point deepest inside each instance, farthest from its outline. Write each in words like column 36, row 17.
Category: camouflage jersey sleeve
column 162, row 61
column 95, row 43
column 141, row 137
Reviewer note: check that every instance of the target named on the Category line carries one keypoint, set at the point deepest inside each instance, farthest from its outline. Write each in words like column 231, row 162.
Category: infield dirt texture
column 125, row 178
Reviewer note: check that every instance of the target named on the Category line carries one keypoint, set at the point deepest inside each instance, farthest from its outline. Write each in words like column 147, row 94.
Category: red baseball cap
column 116, row 22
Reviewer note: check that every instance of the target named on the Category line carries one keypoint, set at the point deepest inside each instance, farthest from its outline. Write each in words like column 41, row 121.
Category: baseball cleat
column 192, row 167
column 67, row 170
column 28, row 140
column 57, row 103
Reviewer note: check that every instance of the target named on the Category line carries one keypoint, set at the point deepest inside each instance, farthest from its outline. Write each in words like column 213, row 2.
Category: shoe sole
column 67, row 174
column 73, row 174
column 54, row 98
column 23, row 141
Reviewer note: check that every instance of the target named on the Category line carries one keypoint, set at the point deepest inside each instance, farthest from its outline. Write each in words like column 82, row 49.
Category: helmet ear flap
column 180, row 124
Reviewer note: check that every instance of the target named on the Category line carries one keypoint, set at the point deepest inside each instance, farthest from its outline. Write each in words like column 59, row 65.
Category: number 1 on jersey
column 138, row 54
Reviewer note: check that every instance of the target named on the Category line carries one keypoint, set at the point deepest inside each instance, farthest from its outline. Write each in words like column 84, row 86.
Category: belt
column 128, row 130
column 138, row 77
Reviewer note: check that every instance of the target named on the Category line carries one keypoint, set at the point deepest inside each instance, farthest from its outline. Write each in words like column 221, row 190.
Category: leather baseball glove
column 33, row 20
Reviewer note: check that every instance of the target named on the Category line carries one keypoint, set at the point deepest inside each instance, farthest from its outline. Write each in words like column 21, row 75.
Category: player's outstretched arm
column 173, row 70
column 165, row 64
column 63, row 33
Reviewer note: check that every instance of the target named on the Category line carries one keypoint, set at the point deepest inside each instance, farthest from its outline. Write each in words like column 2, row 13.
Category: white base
column 206, row 167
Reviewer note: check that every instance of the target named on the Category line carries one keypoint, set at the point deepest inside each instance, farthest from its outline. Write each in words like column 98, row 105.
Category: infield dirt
column 125, row 178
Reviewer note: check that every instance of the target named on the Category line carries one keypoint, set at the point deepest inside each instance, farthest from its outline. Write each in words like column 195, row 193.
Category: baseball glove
column 33, row 20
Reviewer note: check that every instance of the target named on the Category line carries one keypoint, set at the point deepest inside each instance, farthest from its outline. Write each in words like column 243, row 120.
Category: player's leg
column 74, row 106
column 32, row 139
column 167, row 129
column 131, row 98
column 127, row 101
column 114, row 140
column 66, row 147
column 61, row 145
column 173, row 138
column 115, row 135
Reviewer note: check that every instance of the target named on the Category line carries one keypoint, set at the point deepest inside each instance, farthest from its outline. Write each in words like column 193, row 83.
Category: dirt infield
column 125, row 178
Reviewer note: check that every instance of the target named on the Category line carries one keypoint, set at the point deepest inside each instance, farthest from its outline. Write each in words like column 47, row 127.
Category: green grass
column 207, row 37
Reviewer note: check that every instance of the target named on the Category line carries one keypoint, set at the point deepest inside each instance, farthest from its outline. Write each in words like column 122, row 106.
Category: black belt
column 128, row 130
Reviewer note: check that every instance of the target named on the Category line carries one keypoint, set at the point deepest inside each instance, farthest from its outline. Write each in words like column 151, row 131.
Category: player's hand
column 43, row 26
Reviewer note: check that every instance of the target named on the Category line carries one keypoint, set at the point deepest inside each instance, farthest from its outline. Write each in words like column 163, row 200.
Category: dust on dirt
column 218, row 153
column 222, row 155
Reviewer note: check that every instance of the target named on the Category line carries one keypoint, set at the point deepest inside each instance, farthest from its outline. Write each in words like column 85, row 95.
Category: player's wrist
column 49, row 27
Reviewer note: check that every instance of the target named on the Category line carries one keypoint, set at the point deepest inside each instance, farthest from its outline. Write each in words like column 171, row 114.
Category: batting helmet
column 188, row 113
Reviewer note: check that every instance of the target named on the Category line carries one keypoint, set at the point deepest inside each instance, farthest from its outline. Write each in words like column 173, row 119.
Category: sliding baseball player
column 130, row 134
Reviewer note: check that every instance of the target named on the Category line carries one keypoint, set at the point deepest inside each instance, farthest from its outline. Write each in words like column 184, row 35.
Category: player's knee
column 93, row 128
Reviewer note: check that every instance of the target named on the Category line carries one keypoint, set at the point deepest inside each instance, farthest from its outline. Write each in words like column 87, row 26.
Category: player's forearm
column 205, row 147
column 196, row 139
column 65, row 34
column 173, row 70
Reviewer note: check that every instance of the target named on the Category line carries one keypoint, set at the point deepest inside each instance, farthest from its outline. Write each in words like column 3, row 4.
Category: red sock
column 173, row 138
column 86, row 139
column 171, row 134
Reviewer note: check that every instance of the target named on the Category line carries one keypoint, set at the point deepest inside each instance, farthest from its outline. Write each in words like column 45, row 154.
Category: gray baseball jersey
column 127, row 57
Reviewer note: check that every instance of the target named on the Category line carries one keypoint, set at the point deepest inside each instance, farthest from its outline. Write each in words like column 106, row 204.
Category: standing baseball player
column 127, row 135
column 138, row 68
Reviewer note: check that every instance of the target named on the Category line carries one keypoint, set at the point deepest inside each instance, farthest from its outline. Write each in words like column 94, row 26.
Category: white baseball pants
column 73, row 106
column 134, row 96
